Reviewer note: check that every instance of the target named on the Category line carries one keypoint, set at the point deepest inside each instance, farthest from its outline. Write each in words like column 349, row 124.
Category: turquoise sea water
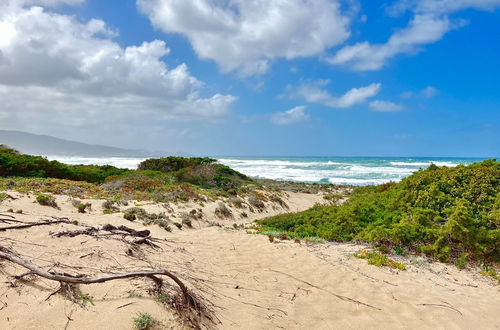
column 337, row 170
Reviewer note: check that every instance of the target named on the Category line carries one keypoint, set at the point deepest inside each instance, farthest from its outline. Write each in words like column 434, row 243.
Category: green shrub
column 160, row 219
column 379, row 259
column 46, row 200
column 172, row 164
column 12, row 163
column 129, row 216
column 143, row 321
column 443, row 212
column 81, row 207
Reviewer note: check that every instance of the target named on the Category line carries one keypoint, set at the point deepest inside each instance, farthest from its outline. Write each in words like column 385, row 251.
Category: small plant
column 19, row 211
column 314, row 239
column 10, row 210
column 271, row 238
column 187, row 222
column 379, row 259
column 490, row 271
column 178, row 225
column 134, row 294
column 81, row 207
column 3, row 196
column 399, row 251
column 85, row 299
column 108, row 207
column 462, row 260
column 163, row 299
column 222, row 211
column 129, row 216
column 256, row 202
column 143, row 321
column 332, row 198
column 236, row 202
column 46, row 200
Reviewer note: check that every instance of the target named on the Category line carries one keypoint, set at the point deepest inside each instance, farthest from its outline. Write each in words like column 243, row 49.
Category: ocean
column 336, row 170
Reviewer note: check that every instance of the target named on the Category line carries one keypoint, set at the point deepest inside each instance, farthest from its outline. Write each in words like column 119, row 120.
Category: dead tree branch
column 33, row 224
column 8, row 254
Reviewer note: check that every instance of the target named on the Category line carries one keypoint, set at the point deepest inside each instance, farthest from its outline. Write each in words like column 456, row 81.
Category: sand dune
column 252, row 283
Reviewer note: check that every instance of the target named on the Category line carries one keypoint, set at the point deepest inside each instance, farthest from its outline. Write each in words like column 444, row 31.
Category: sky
column 256, row 77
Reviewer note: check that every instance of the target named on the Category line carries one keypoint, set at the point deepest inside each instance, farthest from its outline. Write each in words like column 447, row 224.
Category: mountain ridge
column 39, row 144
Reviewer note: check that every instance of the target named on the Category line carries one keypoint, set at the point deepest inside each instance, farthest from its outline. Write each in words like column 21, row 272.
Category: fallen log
column 8, row 254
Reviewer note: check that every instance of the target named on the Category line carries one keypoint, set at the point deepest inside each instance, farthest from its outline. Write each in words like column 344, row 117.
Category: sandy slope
column 254, row 284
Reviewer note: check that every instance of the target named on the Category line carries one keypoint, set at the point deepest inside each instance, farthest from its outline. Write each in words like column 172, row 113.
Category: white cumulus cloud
column 430, row 22
column 245, row 35
column 55, row 69
column 316, row 93
column 364, row 56
column 293, row 116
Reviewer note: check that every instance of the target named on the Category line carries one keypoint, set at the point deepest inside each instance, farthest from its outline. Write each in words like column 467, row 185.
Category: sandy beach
column 247, row 281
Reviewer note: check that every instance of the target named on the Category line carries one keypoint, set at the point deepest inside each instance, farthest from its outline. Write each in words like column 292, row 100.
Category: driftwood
column 8, row 254
column 92, row 231
column 132, row 232
column 33, row 224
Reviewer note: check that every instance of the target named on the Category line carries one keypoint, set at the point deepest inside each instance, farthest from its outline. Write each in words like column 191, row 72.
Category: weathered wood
column 33, row 224
column 8, row 254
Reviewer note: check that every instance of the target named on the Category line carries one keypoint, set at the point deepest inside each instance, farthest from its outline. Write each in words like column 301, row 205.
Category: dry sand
column 253, row 283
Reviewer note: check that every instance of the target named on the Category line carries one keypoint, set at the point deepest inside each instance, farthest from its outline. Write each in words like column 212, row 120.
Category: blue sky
column 302, row 77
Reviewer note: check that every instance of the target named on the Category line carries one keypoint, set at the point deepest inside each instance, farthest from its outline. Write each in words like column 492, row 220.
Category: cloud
column 430, row 22
column 246, row 35
column 293, row 116
column 440, row 6
column 385, row 106
column 55, row 69
column 426, row 93
column 363, row 56
column 313, row 93
column 51, row 3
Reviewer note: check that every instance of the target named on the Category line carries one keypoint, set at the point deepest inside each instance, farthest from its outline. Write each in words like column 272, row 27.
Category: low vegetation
column 379, row 259
column 46, row 200
column 447, row 213
column 168, row 179
column 143, row 321
column 13, row 163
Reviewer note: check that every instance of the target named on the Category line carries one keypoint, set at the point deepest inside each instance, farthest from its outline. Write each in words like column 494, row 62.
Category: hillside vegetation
column 13, row 163
column 448, row 213
column 158, row 179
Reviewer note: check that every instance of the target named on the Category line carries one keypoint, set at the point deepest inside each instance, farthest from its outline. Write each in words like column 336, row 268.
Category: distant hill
column 48, row 145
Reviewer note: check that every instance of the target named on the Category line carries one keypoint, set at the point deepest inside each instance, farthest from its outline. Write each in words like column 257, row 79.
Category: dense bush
column 203, row 172
column 173, row 164
column 12, row 163
column 46, row 200
column 449, row 213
